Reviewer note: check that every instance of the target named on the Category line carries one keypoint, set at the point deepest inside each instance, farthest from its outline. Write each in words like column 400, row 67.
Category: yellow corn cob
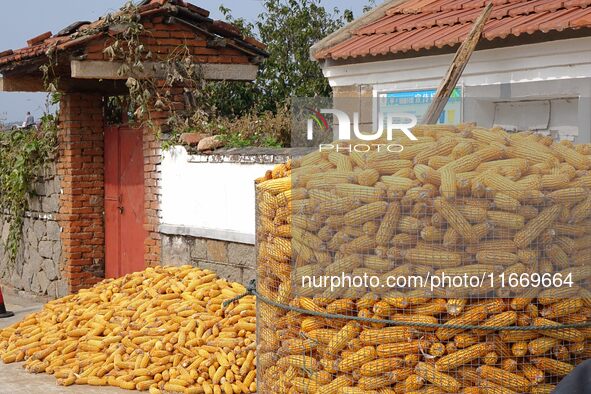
column 520, row 164
column 336, row 385
column 339, row 341
column 380, row 366
column 371, row 228
column 411, row 384
column 298, row 346
column 365, row 213
column 509, row 364
column 432, row 234
column 561, row 353
column 438, row 162
column 304, row 385
column 298, row 361
column 385, row 335
column 410, row 225
column 570, row 195
column 572, row 157
column 533, row 152
column 454, row 218
column 310, row 305
column 503, row 378
column 427, row 174
column 541, row 345
column 439, row 379
column 434, row 307
column 553, row 294
column 344, row 305
column 503, row 184
column 581, row 211
column 385, row 167
column 388, row 224
column 496, row 258
column 361, row 244
column 357, row 359
column 468, row 318
column 519, row 349
column 463, row 340
column 462, row 149
column 499, row 320
column 437, row 349
column 356, row 390
column 364, row 194
column 398, row 349
column 565, row 334
column 461, row 357
column 552, row 367
column 506, row 203
column 432, row 257
column 545, row 388
column 562, row 308
column 275, row 186
column 322, row 335
column 536, row 226
column 440, row 148
column 474, row 214
column 532, row 373
column 506, row 220
column 368, row 177
column 375, row 382
column 490, row 358
column 342, row 162
column 448, row 188
column 517, row 336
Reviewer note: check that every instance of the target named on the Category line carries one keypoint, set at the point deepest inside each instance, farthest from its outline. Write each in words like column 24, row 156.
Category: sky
column 25, row 19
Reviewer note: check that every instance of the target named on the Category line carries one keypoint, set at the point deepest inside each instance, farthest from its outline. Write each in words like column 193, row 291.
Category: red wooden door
column 124, row 201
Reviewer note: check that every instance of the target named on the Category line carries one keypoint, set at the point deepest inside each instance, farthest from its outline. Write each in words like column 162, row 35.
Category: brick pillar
column 80, row 168
column 152, row 159
column 152, row 197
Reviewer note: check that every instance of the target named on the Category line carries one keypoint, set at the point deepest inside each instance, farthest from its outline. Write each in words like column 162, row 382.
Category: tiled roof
column 80, row 33
column 425, row 24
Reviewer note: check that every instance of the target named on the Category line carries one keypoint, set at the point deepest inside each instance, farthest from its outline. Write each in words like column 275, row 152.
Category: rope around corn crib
column 251, row 290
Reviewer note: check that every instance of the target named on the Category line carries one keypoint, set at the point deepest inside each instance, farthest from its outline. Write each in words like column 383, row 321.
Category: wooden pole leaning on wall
column 457, row 68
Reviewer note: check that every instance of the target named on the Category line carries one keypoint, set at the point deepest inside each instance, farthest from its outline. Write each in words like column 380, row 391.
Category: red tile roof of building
column 80, row 33
column 425, row 24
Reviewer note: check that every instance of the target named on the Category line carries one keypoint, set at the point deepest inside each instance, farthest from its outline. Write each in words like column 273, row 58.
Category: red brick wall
column 80, row 168
column 162, row 40
column 152, row 197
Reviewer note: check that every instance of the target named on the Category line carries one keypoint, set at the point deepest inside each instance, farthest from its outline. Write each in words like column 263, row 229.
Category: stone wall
column 38, row 266
column 231, row 260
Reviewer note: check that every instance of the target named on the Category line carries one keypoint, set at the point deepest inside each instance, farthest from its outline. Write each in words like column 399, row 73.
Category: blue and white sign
column 417, row 103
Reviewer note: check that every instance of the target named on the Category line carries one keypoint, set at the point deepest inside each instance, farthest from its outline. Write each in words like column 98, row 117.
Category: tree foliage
column 288, row 28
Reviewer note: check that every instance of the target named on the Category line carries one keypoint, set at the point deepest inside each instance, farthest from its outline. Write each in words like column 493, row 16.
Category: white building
column 531, row 69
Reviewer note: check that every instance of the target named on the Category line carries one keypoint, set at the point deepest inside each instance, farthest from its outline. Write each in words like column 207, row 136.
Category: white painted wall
column 555, row 69
column 210, row 200
column 561, row 59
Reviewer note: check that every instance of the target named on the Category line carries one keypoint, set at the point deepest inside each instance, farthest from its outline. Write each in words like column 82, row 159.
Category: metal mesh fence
column 439, row 268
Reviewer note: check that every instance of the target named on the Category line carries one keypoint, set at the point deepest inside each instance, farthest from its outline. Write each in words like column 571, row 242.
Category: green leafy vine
column 23, row 155
column 24, row 152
